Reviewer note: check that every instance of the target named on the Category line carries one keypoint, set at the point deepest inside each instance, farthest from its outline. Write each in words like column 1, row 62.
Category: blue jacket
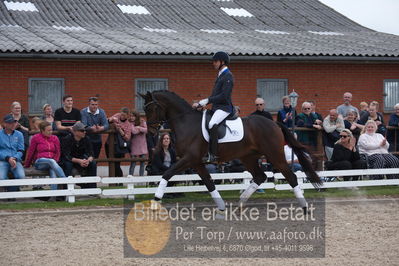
column 90, row 119
column 221, row 93
column 393, row 120
column 281, row 116
column 11, row 145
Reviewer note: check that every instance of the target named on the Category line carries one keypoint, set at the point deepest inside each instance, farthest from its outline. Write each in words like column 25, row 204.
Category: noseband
column 157, row 123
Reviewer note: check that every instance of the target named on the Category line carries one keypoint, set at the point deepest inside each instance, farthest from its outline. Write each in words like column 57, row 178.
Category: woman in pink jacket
column 44, row 152
column 123, row 127
column 138, row 146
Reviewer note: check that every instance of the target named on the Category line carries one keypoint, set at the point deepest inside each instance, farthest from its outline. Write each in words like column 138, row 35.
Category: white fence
column 133, row 188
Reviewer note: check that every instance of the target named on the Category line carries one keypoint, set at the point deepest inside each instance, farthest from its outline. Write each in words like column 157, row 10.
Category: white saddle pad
column 234, row 130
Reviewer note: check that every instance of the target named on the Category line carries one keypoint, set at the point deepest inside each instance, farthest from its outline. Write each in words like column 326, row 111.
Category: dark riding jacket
column 221, row 93
column 158, row 168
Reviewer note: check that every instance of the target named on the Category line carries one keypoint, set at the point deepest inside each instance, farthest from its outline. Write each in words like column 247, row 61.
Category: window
column 45, row 90
column 391, row 93
column 144, row 85
column 272, row 90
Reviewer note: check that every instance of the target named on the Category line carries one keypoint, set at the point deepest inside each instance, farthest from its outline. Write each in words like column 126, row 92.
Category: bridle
column 158, row 122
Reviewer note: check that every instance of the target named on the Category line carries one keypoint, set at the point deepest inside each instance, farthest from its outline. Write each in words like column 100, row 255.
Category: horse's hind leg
column 252, row 165
column 293, row 181
column 210, row 185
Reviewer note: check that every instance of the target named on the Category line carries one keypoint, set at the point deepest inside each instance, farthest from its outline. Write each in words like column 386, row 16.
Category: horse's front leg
column 210, row 185
column 181, row 165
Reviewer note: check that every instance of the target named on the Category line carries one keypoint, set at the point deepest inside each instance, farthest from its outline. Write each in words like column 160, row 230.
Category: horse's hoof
column 305, row 211
column 155, row 205
column 220, row 215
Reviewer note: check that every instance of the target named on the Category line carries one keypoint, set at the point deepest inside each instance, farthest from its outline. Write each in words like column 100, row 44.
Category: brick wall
column 113, row 81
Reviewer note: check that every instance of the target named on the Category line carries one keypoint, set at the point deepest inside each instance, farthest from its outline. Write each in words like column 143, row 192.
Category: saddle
column 229, row 130
column 222, row 126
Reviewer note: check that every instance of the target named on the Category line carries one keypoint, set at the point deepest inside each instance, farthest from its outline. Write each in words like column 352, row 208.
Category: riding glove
column 203, row 102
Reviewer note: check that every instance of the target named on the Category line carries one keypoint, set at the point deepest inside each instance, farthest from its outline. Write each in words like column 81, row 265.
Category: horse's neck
column 183, row 121
column 177, row 115
column 174, row 112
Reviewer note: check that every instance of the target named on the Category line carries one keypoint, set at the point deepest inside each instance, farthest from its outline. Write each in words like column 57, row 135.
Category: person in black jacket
column 220, row 99
column 345, row 155
column 260, row 109
column 164, row 155
column 77, row 152
column 377, row 117
column 164, row 158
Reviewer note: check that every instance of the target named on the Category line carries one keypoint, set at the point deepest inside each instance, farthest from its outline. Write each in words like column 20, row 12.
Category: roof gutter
column 286, row 58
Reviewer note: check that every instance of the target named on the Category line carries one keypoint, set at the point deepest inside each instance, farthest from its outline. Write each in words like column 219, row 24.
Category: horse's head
column 154, row 112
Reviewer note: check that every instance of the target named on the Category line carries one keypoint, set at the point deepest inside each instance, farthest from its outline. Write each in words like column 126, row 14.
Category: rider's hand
column 203, row 102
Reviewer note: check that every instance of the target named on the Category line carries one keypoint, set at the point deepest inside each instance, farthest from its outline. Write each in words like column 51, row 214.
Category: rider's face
column 216, row 64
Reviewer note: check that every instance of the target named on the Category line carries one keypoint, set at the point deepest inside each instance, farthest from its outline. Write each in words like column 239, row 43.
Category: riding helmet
column 221, row 56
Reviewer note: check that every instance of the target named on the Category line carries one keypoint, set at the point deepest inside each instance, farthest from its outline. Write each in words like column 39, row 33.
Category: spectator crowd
column 352, row 138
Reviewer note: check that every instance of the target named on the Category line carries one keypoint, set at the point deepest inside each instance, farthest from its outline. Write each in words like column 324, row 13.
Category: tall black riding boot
column 213, row 145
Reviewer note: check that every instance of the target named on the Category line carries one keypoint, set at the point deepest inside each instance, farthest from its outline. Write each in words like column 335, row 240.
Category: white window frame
column 54, row 105
column 138, row 100
column 391, row 94
column 272, row 105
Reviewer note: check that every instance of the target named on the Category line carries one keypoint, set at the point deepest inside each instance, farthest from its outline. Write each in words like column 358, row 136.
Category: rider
column 220, row 99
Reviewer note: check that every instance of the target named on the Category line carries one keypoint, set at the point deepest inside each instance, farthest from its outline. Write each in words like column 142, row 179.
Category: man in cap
column 77, row 152
column 11, row 150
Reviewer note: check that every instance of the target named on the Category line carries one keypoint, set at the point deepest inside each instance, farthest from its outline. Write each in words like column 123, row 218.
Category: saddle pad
column 234, row 130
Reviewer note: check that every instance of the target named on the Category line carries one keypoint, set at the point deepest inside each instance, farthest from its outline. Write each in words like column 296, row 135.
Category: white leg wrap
column 299, row 195
column 218, row 200
column 161, row 188
column 248, row 192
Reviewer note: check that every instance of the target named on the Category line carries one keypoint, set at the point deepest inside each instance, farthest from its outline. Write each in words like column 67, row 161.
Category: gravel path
column 357, row 233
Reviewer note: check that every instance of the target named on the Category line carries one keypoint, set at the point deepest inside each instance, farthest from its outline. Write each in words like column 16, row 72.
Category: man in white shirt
column 333, row 124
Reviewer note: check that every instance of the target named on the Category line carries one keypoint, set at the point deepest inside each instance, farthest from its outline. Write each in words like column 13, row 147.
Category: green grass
column 380, row 191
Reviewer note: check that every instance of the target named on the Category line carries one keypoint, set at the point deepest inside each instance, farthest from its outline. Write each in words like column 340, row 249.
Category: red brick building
column 114, row 50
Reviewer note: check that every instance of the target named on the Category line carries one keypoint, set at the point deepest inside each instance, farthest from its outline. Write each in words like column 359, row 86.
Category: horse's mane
column 179, row 101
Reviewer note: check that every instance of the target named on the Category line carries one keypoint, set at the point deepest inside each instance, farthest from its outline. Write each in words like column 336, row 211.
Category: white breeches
column 217, row 117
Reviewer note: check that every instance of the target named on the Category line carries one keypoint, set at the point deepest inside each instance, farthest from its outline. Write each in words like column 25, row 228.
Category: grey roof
column 188, row 27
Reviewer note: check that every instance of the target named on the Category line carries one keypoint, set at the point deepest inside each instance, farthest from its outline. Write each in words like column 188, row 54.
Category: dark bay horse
column 261, row 137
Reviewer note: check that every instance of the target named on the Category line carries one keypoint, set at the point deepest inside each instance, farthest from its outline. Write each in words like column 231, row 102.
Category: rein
column 159, row 121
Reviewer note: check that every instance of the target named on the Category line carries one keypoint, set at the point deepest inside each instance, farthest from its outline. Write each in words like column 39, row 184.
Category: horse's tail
column 302, row 154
